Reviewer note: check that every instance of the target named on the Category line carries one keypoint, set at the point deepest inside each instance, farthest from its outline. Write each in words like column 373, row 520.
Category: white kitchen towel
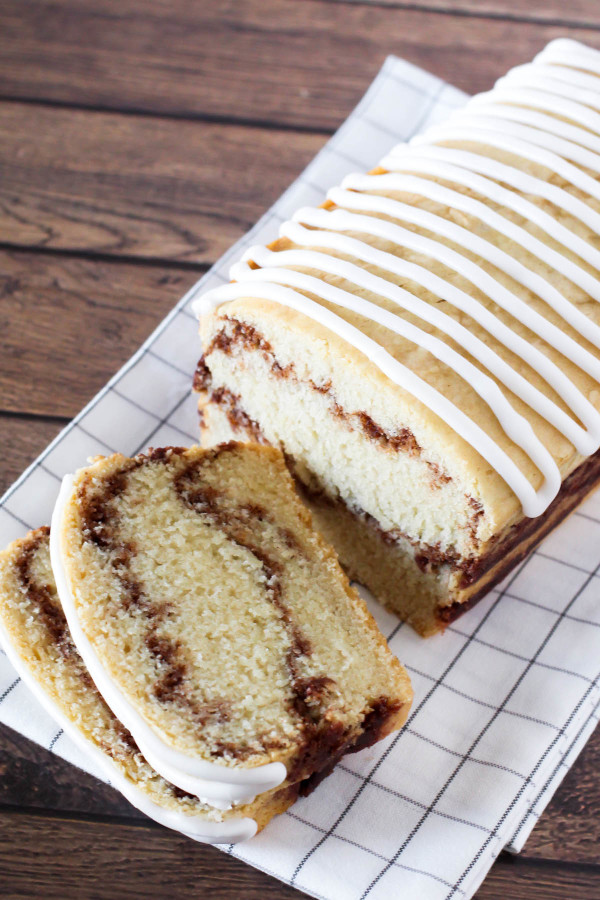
column 504, row 700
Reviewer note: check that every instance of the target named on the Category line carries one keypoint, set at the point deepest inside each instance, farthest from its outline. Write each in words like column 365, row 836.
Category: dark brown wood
column 22, row 440
column 516, row 878
column 299, row 63
column 67, row 857
column 33, row 778
column 113, row 859
column 68, row 324
column 131, row 186
column 575, row 12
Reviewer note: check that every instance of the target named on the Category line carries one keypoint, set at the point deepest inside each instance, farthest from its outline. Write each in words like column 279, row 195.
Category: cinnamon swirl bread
column 217, row 624
column 36, row 636
column 425, row 347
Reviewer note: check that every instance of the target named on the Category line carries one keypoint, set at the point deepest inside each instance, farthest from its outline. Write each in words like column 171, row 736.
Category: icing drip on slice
column 558, row 86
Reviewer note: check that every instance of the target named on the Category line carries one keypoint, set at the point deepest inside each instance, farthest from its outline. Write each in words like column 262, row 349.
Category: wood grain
column 33, row 778
column 66, row 326
column 517, row 878
column 109, row 860
column 575, row 12
column 22, row 440
column 247, row 88
column 144, row 187
column 297, row 63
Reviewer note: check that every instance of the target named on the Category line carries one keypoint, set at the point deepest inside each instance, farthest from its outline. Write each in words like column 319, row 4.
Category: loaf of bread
column 425, row 347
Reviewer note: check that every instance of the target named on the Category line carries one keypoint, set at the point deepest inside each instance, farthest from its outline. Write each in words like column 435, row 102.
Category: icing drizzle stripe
column 556, row 88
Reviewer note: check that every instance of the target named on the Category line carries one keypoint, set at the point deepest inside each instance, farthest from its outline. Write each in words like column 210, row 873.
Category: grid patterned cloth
column 504, row 700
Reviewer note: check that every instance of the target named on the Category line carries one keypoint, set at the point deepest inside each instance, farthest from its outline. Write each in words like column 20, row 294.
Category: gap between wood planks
column 538, row 11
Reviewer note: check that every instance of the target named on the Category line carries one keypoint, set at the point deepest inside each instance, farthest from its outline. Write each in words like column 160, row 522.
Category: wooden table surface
column 118, row 119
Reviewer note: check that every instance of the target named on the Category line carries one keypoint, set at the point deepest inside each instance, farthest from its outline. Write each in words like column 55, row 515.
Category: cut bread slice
column 36, row 637
column 217, row 624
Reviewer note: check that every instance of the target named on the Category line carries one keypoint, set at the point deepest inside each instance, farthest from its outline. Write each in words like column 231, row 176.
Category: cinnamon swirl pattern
column 452, row 292
column 218, row 627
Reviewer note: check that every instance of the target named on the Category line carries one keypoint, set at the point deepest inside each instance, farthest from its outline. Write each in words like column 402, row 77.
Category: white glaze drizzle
column 529, row 97
column 218, row 786
column 586, row 442
column 342, row 220
column 196, row 827
column 561, row 82
column 531, row 138
column 484, row 248
column 539, row 138
column 567, row 52
column 431, row 162
column 515, row 177
column 516, row 427
column 537, row 122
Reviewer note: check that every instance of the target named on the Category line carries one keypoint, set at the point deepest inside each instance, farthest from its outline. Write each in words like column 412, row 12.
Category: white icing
column 218, row 786
column 435, row 161
column 555, row 87
column 586, row 443
column 484, row 165
column 539, row 121
column 567, row 52
column 515, row 426
column 481, row 279
column 529, row 139
column 199, row 829
column 484, row 248
column 526, row 97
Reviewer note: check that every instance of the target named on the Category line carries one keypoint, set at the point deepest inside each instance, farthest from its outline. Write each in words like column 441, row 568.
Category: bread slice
column 217, row 624
column 36, row 636
column 425, row 347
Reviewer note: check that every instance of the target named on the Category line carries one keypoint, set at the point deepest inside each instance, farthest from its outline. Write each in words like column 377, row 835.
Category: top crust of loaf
column 320, row 354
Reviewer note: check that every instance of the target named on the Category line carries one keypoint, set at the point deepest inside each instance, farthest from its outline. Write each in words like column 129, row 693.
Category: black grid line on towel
column 513, row 803
column 55, row 739
column 474, row 744
column 520, row 656
column 9, row 689
column 374, row 853
column 413, row 715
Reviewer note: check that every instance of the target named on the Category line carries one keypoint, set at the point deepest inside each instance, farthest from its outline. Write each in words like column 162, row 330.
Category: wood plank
column 138, row 186
column 513, row 877
column 253, row 60
column 58, row 858
column 22, row 440
column 569, row 828
column 108, row 860
column 33, row 778
column 66, row 326
column 576, row 12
